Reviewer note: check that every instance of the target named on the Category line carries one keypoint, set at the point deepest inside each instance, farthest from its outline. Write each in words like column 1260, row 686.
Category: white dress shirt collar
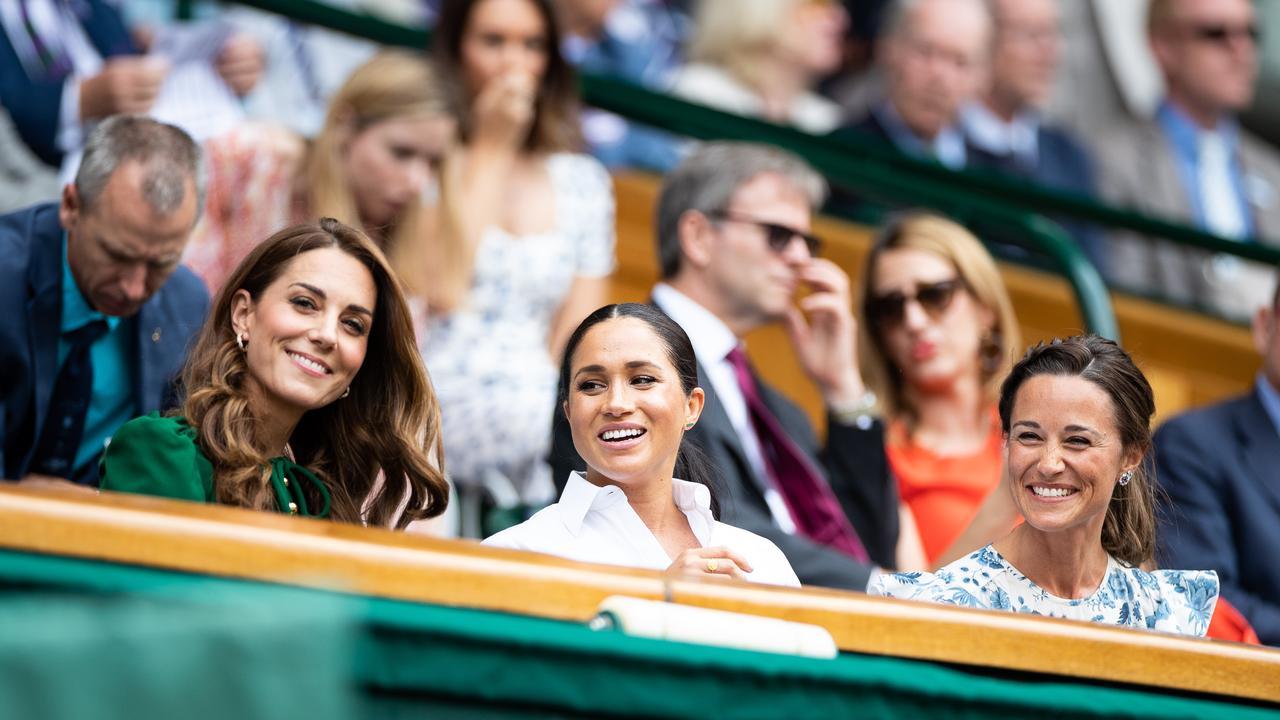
column 1017, row 137
column 712, row 339
column 580, row 497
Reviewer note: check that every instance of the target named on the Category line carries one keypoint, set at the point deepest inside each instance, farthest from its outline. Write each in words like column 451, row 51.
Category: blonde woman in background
column 762, row 59
column 937, row 337
column 373, row 165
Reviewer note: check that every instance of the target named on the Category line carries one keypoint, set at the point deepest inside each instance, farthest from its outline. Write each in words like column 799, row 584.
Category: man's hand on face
column 824, row 334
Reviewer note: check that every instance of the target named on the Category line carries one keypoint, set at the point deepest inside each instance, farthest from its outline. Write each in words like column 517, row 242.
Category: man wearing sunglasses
column 735, row 248
column 1193, row 162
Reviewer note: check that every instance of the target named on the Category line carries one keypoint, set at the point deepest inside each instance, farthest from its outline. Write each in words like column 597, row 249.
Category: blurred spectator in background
column 529, row 257
column 1003, row 126
column 24, row 179
column 763, row 58
column 934, row 54
column 1194, row 163
column 633, row 40
column 937, row 337
column 66, row 65
column 98, row 311
column 374, row 165
column 1219, row 467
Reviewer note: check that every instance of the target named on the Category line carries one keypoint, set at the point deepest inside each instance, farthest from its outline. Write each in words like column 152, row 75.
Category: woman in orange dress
column 937, row 338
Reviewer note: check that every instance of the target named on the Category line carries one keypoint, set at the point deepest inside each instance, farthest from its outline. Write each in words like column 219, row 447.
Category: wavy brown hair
column 389, row 423
column 1129, row 529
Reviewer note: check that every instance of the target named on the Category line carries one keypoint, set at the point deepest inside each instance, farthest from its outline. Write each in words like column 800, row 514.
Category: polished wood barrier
column 228, row 542
column 1190, row 359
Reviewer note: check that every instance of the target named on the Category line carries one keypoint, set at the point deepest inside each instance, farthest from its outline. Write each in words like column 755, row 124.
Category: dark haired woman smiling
column 1076, row 417
column 630, row 381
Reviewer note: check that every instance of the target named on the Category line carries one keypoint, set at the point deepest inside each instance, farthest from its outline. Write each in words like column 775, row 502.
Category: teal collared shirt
column 113, row 357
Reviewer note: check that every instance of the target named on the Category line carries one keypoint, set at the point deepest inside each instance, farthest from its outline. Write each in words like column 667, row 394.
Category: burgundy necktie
column 813, row 505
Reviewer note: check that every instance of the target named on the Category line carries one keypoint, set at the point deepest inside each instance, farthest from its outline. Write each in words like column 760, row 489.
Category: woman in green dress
column 304, row 393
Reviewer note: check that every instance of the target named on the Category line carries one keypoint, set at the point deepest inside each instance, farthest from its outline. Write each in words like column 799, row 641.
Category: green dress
column 154, row 455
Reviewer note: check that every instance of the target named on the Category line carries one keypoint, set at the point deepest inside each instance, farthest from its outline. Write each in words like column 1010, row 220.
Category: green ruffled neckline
column 286, row 479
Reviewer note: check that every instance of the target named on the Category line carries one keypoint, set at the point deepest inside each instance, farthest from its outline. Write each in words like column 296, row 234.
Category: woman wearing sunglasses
column 938, row 336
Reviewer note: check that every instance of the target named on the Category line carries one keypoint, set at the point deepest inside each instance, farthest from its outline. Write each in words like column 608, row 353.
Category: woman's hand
column 503, row 112
column 710, row 561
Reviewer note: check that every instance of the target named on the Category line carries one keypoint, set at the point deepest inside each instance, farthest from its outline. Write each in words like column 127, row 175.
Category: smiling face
column 1064, row 454
column 390, row 163
column 121, row 251
column 503, row 37
column 307, row 333
column 626, row 406
column 933, row 348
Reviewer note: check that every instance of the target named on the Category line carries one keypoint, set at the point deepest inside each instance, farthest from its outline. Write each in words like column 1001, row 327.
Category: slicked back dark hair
column 691, row 464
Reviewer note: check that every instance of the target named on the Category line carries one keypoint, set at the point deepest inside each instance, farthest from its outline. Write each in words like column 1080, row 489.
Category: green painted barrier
column 417, row 660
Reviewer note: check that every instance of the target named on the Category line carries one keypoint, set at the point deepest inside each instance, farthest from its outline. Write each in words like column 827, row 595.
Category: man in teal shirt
column 100, row 312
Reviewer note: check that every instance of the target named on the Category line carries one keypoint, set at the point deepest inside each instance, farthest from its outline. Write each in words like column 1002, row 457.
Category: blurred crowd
column 377, row 274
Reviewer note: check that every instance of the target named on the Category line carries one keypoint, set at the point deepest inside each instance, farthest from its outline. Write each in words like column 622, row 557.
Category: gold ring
column 712, row 565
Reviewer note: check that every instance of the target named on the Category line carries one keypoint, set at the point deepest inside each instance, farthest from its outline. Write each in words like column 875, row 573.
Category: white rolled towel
column 685, row 623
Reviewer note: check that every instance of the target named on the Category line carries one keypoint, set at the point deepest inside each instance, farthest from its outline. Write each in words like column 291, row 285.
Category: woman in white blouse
column 628, row 386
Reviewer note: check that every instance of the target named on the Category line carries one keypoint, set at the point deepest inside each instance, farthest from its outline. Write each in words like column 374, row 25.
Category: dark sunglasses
column 890, row 309
column 1224, row 33
column 778, row 237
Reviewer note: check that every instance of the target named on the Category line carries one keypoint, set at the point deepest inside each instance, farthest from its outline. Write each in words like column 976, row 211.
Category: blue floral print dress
column 1175, row 601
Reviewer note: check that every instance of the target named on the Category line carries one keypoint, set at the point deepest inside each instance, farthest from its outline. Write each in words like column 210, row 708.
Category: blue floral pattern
column 1176, row 601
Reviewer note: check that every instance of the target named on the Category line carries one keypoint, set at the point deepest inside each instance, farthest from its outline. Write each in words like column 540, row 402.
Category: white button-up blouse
column 597, row 524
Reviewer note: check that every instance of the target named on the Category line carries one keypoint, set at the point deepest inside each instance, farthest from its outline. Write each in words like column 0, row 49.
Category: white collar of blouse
column 581, row 497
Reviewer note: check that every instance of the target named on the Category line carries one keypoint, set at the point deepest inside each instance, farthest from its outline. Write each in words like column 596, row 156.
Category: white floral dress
column 1176, row 601
column 489, row 360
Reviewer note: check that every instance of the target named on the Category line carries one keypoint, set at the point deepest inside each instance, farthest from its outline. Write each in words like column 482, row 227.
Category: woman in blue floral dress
column 1076, row 419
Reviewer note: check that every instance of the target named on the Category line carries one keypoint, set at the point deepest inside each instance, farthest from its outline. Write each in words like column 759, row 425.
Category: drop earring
column 241, row 341
column 1125, row 477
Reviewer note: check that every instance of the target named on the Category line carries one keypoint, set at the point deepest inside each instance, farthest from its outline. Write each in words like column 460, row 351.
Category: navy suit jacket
column 1062, row 164
column 31, row 274
column 34, row 99
column 1220, row 466
column 853, row 461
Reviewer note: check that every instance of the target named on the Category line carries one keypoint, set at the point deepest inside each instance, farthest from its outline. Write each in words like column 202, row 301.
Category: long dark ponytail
column 691, row 464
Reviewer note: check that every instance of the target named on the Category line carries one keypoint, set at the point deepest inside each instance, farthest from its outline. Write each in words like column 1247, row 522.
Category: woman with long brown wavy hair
column 304, row 385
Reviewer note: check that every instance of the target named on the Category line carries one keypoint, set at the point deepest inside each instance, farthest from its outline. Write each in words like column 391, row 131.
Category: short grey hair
column 169, row 157
column 707, row 179
column 894, row 20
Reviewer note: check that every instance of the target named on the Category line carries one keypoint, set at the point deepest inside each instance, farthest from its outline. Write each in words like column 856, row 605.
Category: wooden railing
column 1190, row 359
column 227, row 542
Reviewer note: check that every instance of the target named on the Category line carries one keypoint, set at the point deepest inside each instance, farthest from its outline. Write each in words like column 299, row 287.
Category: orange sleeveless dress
column 943, row 492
